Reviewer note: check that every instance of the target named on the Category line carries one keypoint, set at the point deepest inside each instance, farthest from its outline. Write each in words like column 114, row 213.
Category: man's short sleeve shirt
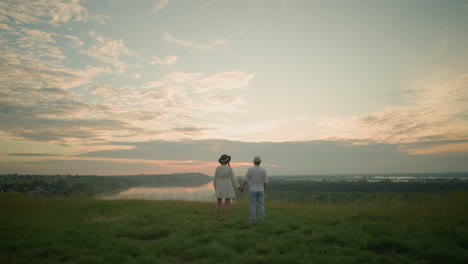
column 256, row 177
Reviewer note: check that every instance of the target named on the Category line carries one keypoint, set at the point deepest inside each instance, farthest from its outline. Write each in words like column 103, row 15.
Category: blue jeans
column 254, row 199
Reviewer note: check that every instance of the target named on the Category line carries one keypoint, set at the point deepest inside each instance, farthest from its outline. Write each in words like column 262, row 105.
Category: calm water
column 200, row 193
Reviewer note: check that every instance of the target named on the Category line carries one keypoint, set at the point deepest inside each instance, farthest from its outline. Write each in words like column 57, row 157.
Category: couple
column 225, row 181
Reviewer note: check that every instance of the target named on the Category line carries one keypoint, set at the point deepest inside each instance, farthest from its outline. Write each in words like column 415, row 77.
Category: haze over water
column 200, row 193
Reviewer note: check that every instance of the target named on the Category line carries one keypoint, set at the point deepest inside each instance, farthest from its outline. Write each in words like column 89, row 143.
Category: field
column 424, row 227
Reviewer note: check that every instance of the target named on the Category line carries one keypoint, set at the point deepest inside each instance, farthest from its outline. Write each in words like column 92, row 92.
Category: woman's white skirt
column 224, row 189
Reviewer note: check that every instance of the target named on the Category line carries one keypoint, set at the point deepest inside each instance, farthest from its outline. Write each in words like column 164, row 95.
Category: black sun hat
column 224, row 159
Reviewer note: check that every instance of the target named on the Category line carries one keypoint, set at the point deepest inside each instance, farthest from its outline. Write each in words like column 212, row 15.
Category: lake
column 200, row 193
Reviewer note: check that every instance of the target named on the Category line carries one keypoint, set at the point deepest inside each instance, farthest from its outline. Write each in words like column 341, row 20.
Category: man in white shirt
column 257, row 179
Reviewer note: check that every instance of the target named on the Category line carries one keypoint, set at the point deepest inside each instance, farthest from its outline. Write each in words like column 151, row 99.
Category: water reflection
column 201, row 193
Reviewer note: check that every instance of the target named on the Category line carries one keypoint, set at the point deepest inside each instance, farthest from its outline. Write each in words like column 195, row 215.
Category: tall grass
column 387, row 229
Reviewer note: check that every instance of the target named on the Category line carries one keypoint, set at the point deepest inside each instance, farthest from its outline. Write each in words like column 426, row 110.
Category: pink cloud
column 436, row 114
column 445, row 148
column 159, row 5
column 213, row 44
column 43, row 11
column 169, row 60
column 109, row 51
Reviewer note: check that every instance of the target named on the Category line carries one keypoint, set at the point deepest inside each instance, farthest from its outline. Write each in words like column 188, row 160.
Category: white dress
column 223, row 182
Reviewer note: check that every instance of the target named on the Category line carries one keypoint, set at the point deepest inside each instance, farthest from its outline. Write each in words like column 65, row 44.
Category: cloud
column 186, row 96
column 160, row 4
column 36, row 102
column 32, row 48
column 109, row 51
column 217, row 43
column 30, row 154
column 189, row 129
column 84, row 148
column 295, row 157
column 169, row 60
column 35, row 36
column 55, row 92
column 34, row 58
column 59, row 116
column 461, row 147
column 75, row 41
column 73, row 166
column 224, row 81
column 63, row 131
column 149, row 113
column 275, row 130
column 160, row 108
column 438, row 112
column 51, row 115
column 57, row 107
column 192, row 131
column 17, row 76
column 100, row 18
column 43, row 98
column 202, row 83
column 279, row 158
column 225, row 103
column 186, row 43
column 42, row 11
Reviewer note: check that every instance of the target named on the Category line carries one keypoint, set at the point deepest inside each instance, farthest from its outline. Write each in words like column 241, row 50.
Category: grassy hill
column 388, row 228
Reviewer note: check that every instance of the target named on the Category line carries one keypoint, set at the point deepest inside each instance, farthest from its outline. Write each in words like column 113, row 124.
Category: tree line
column 91, row 185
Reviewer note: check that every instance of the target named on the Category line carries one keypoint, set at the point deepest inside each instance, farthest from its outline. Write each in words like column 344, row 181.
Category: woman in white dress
column 224, row 183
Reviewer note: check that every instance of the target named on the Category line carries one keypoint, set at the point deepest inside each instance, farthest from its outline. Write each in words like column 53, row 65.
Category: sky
column 167, row 86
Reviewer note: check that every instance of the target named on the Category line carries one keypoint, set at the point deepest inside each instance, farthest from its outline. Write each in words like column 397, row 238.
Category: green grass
column 429, row 228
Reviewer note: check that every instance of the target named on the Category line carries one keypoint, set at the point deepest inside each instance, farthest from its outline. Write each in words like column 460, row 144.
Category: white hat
column 257, row 159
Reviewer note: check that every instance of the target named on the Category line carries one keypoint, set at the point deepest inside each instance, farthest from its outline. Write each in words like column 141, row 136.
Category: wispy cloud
column 197, row 93
column 75, row 41
column 293, row 157
column 43, row 11
column 277, row 130
column 51, row 114
column 32, row 48
column 317, row 156
column 213, row 44
column 160, row 4
column 46, row 121
column 30, row 154
column 224, row 81
column 168, row 61
column 35, row 58
column 84, row 148
column 437, row 113
column 61, row 78
column 174, row 101
column 36, row 103
column 36, row 78
column 109, row 51
column 460, row 147
column 202, row 83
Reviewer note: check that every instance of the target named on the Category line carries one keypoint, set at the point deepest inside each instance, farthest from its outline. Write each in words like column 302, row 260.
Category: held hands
column 241, row 189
